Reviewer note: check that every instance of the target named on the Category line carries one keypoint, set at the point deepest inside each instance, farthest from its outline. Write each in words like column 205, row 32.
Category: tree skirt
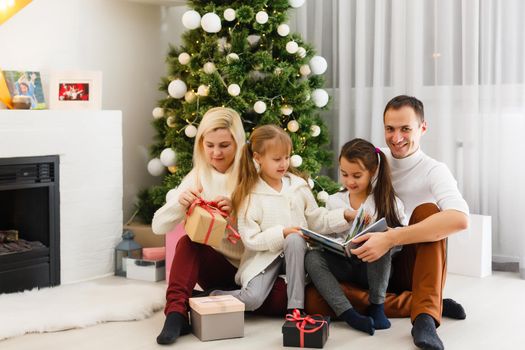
column 76, row 306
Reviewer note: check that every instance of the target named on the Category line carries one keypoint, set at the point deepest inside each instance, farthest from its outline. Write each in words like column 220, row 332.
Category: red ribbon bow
column 301, row 322
column 212, row 208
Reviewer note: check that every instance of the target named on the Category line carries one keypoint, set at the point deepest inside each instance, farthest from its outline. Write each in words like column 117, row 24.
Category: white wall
column 125, row 40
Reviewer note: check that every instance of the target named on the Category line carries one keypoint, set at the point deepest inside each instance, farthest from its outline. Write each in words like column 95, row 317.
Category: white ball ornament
column 315, row 130
column 293, row 126
column 296, row 3
column 184, row 58
column 155, row 167
column 191, row 19
column 286, row 110
column 318, row 64
column 171, row 122
column 320, row 97
column 234, row 89
column 229, row 14
column 177, row 88
column 261, row 17
column 168, row 157
column 209, row 68
column 310, row 183
column 305, row 70
column 190, row 131
column 172, row 195
column 283, row 29
column 211, row 23
column 322, row 196
column 301, row 51
column 253, row 39
column 296, row 160
column 203, row 90
column 232, row 57
column 158, row 112
column 259, row 107
column 190, row 96
column 292, row 47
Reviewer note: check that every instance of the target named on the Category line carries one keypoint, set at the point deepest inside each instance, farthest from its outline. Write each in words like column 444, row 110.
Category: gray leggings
column 327, row 269
column 257, row 290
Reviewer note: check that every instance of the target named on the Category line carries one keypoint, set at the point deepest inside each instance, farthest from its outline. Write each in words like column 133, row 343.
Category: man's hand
column 224, row 204
column 376, row 245
column 187, row 197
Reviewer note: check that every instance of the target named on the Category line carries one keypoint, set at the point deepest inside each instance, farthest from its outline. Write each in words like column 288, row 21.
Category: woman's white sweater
column 265, row 213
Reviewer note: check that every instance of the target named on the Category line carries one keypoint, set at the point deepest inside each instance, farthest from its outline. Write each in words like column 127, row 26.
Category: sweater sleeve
column 252, row 235
column 400, row 210
column 320, row 219
column 445, row 190
column 172, row 212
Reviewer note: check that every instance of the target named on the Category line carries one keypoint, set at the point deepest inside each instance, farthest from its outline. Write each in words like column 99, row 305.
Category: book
column 342, row 246
column 25, row 84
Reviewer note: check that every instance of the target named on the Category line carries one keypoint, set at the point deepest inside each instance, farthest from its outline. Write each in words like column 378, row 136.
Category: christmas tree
column 239, row 54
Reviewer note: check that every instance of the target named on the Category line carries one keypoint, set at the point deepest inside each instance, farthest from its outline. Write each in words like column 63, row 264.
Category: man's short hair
column 406, row 101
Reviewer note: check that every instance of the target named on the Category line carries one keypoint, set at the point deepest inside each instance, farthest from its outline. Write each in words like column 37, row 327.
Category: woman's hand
column 291, row 230
column 375, row 245
column 187, row 197
column 224, row 204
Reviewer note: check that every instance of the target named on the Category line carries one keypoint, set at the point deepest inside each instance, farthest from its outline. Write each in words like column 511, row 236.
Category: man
column 418, row 180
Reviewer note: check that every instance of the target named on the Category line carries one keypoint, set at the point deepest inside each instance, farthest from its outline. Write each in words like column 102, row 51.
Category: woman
column 216, row 158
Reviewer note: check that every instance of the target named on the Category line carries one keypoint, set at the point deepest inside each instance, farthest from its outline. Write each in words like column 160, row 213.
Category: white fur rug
column 76, row 306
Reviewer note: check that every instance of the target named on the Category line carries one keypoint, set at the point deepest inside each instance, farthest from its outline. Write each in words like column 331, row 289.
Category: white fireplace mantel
column 89, row 144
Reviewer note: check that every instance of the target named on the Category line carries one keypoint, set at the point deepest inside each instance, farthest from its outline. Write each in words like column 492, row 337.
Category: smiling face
column 403, row 131
column 354, row 176
column 219, row 148
column 274, row 162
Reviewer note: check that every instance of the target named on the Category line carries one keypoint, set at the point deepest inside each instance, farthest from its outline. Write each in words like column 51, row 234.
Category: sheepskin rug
column 76, row 306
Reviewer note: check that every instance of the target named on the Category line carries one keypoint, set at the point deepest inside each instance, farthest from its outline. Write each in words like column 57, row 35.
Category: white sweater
column 419, row 179
column 173, row 212
column 265, row 213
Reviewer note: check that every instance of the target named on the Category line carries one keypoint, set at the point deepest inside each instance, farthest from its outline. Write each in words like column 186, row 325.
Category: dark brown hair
column 406, row 101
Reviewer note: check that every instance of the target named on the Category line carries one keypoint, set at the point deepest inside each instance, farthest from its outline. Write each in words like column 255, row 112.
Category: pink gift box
column 172, row 238
column 156, row 253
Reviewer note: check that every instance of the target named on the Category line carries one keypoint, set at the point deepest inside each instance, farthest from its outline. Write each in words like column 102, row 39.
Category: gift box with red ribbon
column 305, row 331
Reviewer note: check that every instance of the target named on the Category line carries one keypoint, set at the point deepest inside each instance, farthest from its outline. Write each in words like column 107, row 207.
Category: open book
column 343, row 246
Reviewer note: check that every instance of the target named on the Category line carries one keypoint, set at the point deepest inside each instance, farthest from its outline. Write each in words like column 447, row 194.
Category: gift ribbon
column 301, row 323
column 212, row 208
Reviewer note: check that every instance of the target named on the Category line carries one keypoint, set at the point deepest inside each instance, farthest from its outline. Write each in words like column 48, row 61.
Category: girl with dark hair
column 365, row 175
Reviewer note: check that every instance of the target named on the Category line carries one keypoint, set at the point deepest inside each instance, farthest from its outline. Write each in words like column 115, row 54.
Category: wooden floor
column 495, row 311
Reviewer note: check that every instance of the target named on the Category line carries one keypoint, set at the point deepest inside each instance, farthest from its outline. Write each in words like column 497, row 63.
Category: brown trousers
column 416, row 286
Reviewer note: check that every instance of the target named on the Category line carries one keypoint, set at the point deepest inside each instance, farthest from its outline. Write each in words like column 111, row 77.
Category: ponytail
column 248, row 177
column 384, row 195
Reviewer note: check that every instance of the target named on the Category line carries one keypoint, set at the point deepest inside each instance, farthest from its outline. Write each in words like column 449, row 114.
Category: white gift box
column 146, row 270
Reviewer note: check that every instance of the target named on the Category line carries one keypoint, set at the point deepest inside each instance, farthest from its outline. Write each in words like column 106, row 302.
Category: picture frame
column 22, row 83
column 75, row 90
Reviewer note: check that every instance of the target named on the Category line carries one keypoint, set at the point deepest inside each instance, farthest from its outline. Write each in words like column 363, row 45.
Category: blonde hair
column 262, row 138
column 218, row 118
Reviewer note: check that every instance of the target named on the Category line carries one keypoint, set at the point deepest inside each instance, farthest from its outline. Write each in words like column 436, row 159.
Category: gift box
column 145, row 236
column 156, row 253
column 145, row 270
column 217, row 317
column 205, row 225
column 305, row 331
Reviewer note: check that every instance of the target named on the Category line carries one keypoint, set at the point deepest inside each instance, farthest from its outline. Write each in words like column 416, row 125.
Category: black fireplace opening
column 29, row 223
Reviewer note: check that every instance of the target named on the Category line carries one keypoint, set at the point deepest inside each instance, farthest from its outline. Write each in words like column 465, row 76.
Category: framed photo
column 75, row 90
column 25, row 83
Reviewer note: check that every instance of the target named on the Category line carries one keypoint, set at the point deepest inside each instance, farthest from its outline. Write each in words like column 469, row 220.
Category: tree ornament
column 318, row 65
column 172, row 169
column 296, row 160
column 320, row 97
column 229, row 14
column 283, row 29
column 203, row 90
column 155, row 167
column 292, row 47
column 293, row 126
column 168, row 157
column 259, row 107
column 232, row 57
column 172, row 194
column 305, row 70
column 211, row 23
column 253, row 39
column 234, row 90
column 278, row 71
column 301, row 51
column 190, row 130
column 315, row 130
column 177, row 88
column 170, row 121
column 296, row 3
column 184, row 58
column 286, row 110
column 190, row 96
column 222, row 44
column 322, row 196
column 158, row 112
column 209, row 68
column 191, row 19
column 311, row 183
column 261, row 17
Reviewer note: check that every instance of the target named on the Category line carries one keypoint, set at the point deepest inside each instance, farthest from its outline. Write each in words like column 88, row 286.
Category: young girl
column 271, row 204
column 365, row 175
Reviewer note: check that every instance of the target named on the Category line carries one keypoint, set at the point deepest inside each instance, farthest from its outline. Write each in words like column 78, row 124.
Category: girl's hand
column 376, row 244
column 291, row 230
column 350, row 214
column 224, row 204
column 187, row 197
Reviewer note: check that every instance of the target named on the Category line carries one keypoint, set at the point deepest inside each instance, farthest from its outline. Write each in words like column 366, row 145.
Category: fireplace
column 29, row 223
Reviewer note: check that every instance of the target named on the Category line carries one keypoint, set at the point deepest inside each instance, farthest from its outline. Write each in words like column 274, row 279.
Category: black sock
column 424, row 333
column 358, row 321
column 377, row 312
column 174, row 326
column 453, row 310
